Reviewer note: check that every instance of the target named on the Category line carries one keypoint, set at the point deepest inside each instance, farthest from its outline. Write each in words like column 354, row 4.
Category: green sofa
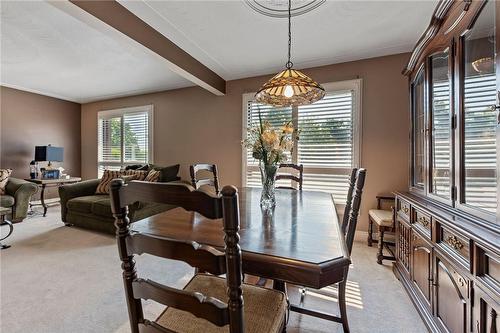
column 17, row 197
column 80, row 206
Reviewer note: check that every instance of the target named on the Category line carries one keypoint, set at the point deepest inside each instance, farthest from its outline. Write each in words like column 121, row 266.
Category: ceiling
column 59, row 50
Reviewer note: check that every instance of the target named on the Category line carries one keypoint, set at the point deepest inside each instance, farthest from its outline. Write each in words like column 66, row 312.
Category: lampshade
column 290, row 88
column 49, row 153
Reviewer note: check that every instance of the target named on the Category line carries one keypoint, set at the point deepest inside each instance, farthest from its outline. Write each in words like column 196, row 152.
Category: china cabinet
column 448, row 223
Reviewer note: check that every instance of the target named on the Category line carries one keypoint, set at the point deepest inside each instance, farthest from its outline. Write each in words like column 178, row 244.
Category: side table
column 43, row 183
column 3, row 212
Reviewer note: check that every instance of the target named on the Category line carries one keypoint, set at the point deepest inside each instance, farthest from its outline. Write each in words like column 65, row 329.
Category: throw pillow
column 138, row 174
column 153, row 176
column 169, row 173
column 107, row 177
column 4, row 178
column 138, row 167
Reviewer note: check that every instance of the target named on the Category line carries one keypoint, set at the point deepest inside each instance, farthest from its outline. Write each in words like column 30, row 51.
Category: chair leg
column 380, row 254
column 370, row 232
column 343, row 306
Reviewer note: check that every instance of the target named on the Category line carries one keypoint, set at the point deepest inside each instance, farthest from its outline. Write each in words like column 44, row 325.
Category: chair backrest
column 348, row 203
column 354, row 213
column 299, row 180
column 203, row 257
column 197, row 183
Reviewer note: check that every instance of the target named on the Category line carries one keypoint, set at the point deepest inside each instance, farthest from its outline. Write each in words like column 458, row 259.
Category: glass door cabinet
column 454, row 92
column 448, row 223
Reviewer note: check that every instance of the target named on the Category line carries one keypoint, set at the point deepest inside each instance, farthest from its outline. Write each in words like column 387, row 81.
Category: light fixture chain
column 289, row 64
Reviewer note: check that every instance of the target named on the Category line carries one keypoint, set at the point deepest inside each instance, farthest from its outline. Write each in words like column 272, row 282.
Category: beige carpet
column 57, row 279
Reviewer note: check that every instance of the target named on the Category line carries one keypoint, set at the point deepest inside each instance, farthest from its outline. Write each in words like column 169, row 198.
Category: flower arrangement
column 269, row 145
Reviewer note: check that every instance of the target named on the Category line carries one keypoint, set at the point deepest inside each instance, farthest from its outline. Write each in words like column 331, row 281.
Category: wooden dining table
column 299, row 242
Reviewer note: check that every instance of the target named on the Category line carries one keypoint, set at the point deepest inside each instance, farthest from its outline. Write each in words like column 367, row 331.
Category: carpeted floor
column 57, row 279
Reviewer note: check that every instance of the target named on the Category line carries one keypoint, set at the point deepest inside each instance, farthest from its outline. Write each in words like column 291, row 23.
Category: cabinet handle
column 423, row 221
column 406, row 210
column 454, row 242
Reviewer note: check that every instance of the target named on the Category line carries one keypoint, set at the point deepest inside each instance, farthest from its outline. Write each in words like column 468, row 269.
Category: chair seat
column 382, row 217
column 264, row 309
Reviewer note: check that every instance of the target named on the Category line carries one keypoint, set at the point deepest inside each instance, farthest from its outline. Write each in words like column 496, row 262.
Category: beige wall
column 192, row 125
column 28, row 120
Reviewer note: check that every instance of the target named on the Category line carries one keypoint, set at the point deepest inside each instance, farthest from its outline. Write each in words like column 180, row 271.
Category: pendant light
column 290, row 87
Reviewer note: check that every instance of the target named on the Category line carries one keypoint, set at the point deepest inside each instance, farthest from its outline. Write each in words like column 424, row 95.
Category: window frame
column 113, row 113
column 354, row 85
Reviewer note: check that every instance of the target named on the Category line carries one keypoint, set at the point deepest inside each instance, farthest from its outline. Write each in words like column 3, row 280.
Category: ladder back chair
column 293, row 178
column 197, row 183
column 348, row 228
column 199, row 306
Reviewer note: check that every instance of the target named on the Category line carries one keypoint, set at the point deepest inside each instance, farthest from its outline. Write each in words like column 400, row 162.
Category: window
column 124, row 137
column 329, row 143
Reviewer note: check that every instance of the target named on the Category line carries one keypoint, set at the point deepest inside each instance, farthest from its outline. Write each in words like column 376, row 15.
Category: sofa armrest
column 22, row 191
column 70, row 191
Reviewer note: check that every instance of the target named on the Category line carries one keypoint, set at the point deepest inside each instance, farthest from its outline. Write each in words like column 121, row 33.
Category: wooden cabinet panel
column 404, row 209
column 422, row 222
column 403, row 242
column 485, row 313
column 421, row 268
column 450, row 297
column 454, row 244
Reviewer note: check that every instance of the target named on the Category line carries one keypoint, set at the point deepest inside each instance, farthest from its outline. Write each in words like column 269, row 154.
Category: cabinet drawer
column 422, row 221
column 404, row 209
column 454, row 244
column 487, row 267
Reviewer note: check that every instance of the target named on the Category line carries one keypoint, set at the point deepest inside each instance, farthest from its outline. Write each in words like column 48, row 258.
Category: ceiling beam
column 180, row 62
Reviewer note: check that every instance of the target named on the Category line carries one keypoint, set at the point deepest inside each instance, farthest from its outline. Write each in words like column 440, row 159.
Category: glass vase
column 268, row 176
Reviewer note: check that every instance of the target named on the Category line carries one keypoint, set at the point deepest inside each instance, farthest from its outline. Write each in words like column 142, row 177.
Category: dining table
column 299, row 241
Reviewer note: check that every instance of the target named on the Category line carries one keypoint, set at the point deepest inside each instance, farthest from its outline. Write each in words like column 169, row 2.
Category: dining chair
column 199, row 307
column 290, row 176
column 348, row 228
column 197, row 183
column 345, row 218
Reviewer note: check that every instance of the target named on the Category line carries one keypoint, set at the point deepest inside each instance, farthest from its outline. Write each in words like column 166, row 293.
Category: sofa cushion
column 144, row 167
column 102, row 207
column 169, row 173
column 84, row 204
column 7, row 200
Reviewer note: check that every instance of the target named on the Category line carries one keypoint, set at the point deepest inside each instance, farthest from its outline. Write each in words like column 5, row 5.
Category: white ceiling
column 237, row 42
column 59, row 50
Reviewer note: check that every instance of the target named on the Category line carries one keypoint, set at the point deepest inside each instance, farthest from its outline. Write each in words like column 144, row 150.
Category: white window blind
column 442, row 139
column 124, row 137
column 480, row 142
column 328, row 146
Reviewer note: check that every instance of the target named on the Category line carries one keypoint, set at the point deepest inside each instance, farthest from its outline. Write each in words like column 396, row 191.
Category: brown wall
column 28, row 120
column 192, row 125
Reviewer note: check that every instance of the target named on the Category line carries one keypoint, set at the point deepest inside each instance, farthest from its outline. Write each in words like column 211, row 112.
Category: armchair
column 17, row 197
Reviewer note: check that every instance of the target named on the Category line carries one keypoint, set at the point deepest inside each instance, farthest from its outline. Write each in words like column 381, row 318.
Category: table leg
column 42, row 200
column 11, row 228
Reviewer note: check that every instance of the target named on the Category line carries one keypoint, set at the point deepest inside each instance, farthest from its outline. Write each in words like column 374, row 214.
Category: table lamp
column 49, row 154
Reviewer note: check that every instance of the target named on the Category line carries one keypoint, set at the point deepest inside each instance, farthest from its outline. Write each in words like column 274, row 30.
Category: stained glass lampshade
column 290, row 88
